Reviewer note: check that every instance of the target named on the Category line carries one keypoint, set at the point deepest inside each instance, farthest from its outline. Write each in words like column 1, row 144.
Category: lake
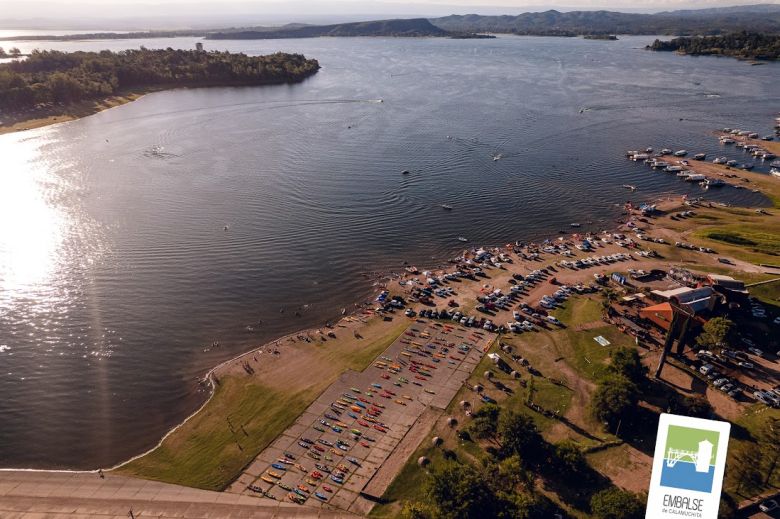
column 132, row 240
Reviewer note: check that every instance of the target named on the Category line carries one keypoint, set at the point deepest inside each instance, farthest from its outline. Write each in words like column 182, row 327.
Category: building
column 199, row 47
column 733, row 290
column 698, row 301
column 660, row 315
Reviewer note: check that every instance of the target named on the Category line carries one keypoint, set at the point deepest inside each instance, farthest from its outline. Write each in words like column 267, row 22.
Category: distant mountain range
column 415, row 27
column 756, row 18
column 761, row 18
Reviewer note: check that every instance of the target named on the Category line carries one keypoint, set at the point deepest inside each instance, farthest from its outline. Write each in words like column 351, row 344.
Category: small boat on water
column 713, row 182
column 695, row 177
column 681, row 153
column 775, row 163
column 666, row 151
column 629, row 186
column 498, row 156
column 700, row 156
column 575, row 224
column 731, row 163
column 405, row 172
column 461, row 238
column 446, row 207
column 747, row 167
column 673, row 169
column 649, row 150
column 775, row 172
column 727, row 140
column 719, row 160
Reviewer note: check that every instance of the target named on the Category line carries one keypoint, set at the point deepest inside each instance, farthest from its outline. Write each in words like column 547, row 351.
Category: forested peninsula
column 50, row 83
column 743, row 45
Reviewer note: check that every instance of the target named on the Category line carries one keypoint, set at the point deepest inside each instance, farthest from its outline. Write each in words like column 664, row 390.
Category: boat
column 666, row 151
column 446, row 207
column 405, row 172
column 575, row 225
column 727, row 140
column 638, row 157
column 713, row 182
column 497, row 157
column 775, row 164
column 629, row 186
column 700, row 156
column 747, row 167
column 731, row 163
column 695, row 177
column 775, row 172
column 680, row 153
column 673, row 169
column 768, row 156
column 461, row 238
column 719, row 160
column 649, row 150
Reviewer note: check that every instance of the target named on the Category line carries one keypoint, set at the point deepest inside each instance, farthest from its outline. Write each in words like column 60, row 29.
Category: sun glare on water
column 32, row 229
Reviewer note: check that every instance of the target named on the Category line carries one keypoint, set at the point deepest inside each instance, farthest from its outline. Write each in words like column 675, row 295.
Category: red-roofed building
column 661, row 315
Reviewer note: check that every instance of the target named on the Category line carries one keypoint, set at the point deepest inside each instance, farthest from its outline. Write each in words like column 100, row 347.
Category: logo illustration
column 689, row 458
column 688, row 466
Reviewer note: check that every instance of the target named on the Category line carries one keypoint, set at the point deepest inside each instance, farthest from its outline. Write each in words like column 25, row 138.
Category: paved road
column 60, row 495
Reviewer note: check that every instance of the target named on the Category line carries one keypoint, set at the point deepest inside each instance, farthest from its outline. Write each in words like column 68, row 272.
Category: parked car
column 768, row 505
column 756, row 352
column 746, row 365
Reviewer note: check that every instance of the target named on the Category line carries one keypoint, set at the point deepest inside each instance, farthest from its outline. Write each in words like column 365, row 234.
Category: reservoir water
column 133, row 239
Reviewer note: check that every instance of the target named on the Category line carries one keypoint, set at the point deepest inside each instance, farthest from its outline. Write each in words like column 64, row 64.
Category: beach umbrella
column 488, row 374
column 436, row 441
column 464, row 404
column 515, row 374
column 478, row 388
column 423, row 461
column 451, row 421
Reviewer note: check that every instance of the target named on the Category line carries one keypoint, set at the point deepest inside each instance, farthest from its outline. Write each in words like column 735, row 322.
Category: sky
column 150, row 14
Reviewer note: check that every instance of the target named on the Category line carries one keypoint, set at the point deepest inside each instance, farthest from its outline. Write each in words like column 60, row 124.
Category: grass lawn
column 579, row 310
column 751, row 423
column 204, row 453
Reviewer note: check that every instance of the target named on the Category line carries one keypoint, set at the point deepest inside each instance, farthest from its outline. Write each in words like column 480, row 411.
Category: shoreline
column 382, row 281
column 73, row 112
column 441, row 265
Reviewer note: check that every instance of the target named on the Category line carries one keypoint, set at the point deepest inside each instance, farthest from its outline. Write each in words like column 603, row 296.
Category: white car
column 768, row 505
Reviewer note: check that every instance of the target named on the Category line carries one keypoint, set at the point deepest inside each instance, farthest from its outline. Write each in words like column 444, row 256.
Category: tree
column 717, row 333
column 2, row 53
column 570, row 459
column 626, row 362
column 519, row 435
column 485, row 422
column 14, row 52
column 614, row 399
column 461, row 492
column 614, row 503
column 698, row 407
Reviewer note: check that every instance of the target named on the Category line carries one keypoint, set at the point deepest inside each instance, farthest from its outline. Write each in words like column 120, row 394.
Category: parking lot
column 334, row 449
